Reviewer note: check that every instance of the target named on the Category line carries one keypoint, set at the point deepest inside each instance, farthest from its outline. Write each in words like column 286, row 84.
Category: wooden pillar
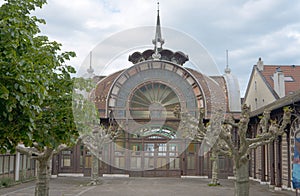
column 197, row 157
column 263, row 164
column 272, row 163
column 55, row 165
column 127, row 152
column 278, row 162
column 17, row 166
column 201, row 161
column 254, row 163
column 289, row 158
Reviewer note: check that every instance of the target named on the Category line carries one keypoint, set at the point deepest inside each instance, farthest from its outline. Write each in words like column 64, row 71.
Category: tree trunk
column 95, row 171
column 95, row 168
column 242, row 179
column 43, row 175
column 215, row 169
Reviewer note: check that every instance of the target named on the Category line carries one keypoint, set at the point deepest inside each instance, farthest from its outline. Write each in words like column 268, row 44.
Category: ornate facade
column 142, row 100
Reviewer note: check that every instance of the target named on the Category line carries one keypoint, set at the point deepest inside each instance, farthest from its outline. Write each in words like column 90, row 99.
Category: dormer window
column 286, row 78
column 289, row 79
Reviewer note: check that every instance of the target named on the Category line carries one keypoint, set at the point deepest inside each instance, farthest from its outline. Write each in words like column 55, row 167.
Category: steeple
column 158, row 53
column 158, row 41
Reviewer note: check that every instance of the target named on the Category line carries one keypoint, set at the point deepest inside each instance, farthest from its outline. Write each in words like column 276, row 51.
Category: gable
column 258, row 93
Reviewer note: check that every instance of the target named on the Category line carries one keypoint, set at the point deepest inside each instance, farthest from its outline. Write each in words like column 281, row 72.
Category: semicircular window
column 153, row 100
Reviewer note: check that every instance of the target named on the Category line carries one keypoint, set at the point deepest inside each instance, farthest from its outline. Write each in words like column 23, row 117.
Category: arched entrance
column 155, row 152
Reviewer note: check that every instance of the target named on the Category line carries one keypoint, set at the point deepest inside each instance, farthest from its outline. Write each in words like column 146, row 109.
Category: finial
column 90, row 70
column 158, row 41
column 227, row 69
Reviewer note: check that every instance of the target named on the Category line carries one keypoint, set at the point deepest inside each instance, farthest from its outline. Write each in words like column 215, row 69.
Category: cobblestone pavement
column 72, row 186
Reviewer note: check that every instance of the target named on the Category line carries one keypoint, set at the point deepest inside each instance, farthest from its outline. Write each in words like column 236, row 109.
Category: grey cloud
column 248, row 28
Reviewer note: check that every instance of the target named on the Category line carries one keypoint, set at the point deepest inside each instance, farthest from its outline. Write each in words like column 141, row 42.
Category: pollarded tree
column 195, row 129
column 271, row 129
column 224, row 142
column 92, row 133
column 95, row 141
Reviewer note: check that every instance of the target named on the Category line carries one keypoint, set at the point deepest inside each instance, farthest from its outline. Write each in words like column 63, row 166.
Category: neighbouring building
column 273, row 163
column 140, row 97
column 268, row 83
column 18, row 167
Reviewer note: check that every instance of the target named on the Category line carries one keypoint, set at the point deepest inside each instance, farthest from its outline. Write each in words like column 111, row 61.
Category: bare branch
column 60, row 148
column 32, row 152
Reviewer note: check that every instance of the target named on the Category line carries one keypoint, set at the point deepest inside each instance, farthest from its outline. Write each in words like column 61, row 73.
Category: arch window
column 153, row 100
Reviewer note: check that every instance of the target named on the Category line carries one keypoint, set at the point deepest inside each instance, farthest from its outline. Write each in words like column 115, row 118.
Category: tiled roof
column 102, row 90
column 288, row 71
column 103, row 87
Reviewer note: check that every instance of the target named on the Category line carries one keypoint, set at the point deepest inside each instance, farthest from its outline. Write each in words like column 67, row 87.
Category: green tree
column 27, row 62
column 54, row 130
column 35, row 89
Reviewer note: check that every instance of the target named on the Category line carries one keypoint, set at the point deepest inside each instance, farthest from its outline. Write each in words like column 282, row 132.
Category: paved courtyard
column 72, row 186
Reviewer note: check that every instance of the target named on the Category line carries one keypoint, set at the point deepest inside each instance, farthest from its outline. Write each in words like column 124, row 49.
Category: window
column 149, row 149
column 153, row 100
column 256, row 105
column 88, row 159
column 66, row 158
column 173, row 150
column 174, row 163
column 162, row 149
column 288, row 79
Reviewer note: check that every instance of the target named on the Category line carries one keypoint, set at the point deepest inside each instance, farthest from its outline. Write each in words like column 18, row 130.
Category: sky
column 248, row 29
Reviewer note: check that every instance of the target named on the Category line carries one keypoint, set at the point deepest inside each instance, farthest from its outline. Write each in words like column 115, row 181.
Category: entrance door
column 190, row 160
column 150, row 156
column 161, row 158
column 71, row 160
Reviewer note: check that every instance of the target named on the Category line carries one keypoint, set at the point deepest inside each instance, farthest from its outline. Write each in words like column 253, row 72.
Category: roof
column 285, row 101
column 291, row 74
column 104, row 86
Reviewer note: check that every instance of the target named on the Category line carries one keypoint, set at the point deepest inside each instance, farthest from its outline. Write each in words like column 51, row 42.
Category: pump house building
column 143, row 98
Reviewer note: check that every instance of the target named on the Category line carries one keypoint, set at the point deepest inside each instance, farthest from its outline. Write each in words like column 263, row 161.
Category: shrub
column 5, row 182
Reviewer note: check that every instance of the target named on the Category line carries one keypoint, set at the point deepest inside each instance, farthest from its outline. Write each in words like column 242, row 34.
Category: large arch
column 177, row 78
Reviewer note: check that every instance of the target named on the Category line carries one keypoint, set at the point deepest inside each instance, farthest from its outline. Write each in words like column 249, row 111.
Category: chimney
column 279, row 85
column 260, row 64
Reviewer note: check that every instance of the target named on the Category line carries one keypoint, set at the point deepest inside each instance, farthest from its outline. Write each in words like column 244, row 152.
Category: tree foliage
column 32, row 76
column 35, row 89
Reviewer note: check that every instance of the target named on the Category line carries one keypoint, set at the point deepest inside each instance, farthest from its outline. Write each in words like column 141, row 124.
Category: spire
column 158, row 41
column 227, row 69
column 90, row 70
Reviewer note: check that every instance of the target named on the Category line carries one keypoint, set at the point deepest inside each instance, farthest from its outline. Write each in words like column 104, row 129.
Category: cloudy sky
column 249, row 29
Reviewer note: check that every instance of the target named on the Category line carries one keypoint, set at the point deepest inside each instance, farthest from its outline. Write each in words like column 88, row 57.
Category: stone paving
column 77, row 186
